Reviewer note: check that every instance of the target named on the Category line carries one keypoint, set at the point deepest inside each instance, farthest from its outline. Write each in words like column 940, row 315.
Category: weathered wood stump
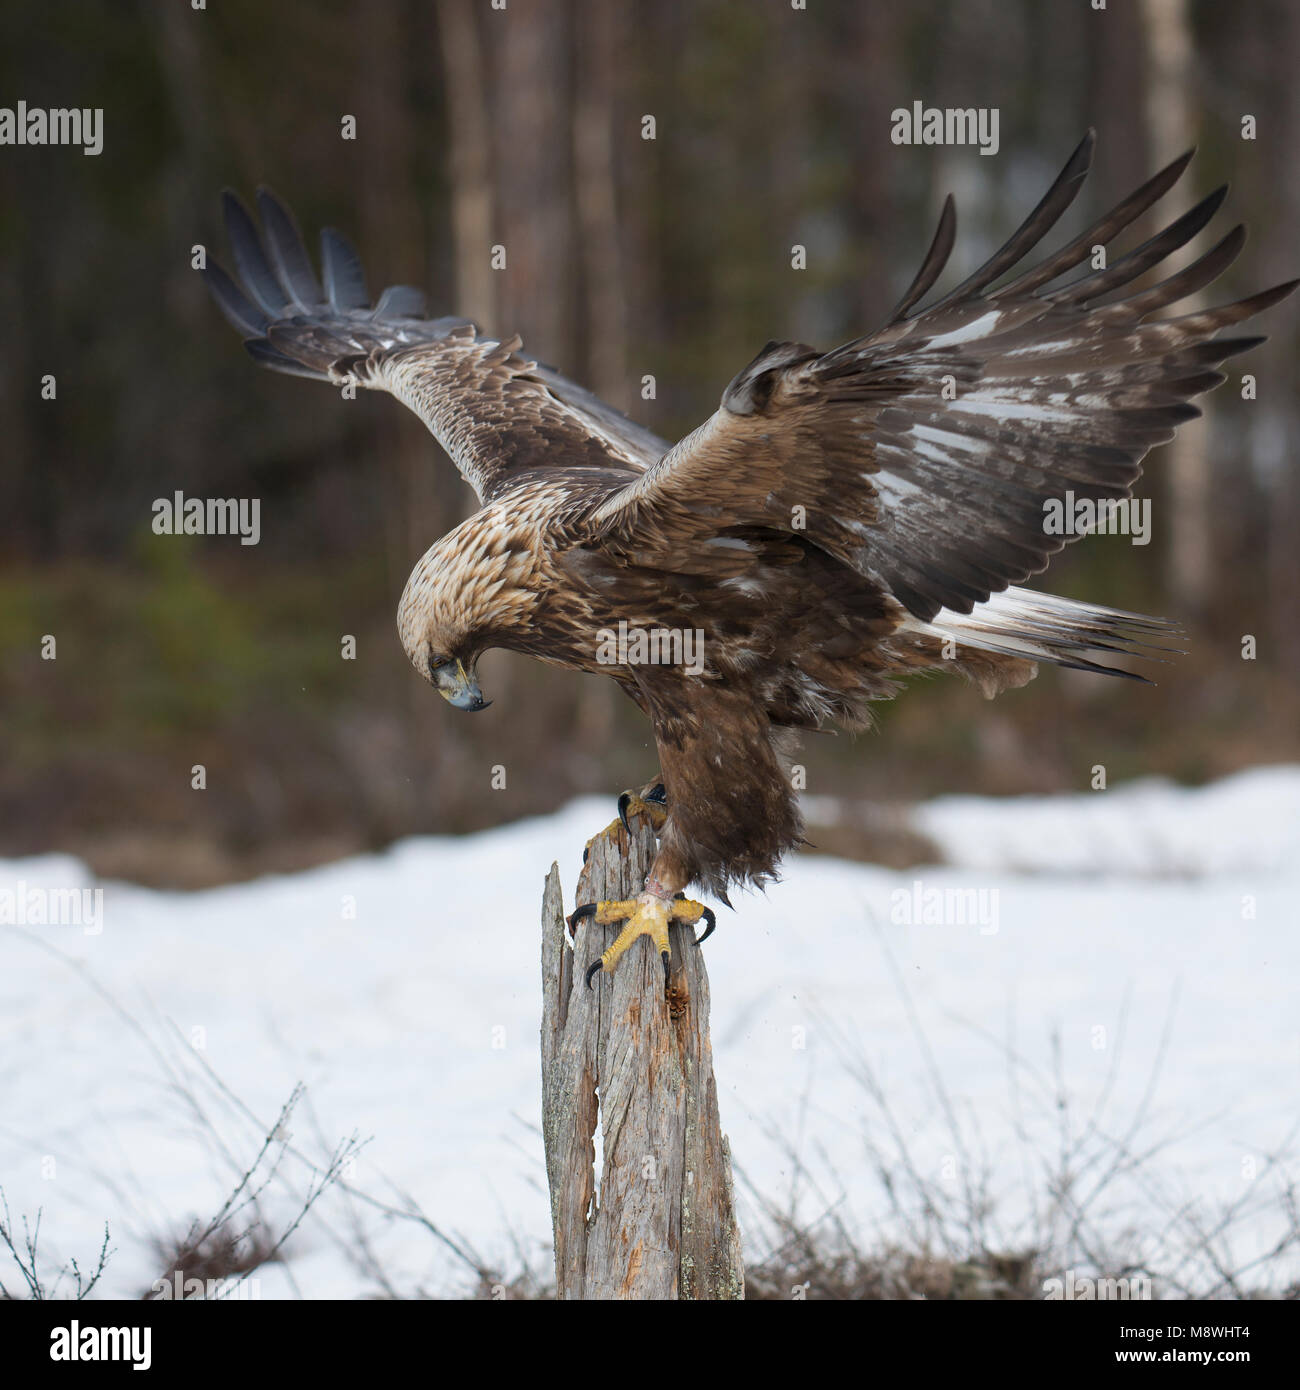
column 663, row 1224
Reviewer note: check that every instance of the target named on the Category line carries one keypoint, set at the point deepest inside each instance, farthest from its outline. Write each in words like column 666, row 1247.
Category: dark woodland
column 628, row 258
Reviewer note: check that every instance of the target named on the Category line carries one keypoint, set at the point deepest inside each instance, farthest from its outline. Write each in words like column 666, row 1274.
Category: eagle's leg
column 650, row 803
column 646, row 915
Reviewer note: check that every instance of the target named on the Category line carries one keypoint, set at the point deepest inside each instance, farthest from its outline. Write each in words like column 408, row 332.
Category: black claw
column 711, row 918
column 578, row 913
column 657, row 793
column 668, row 968
column 586, row 850
column 624, row 802
column 725, row 901
column 593, row 970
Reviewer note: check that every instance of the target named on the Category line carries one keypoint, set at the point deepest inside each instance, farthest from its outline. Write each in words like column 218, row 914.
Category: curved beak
column 455, row 684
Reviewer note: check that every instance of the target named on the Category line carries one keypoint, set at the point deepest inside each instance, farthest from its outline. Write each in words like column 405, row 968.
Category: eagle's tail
column 1030, row 626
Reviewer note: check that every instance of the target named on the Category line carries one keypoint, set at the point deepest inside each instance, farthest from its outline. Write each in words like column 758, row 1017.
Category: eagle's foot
column 647, row 915
column 650, row 804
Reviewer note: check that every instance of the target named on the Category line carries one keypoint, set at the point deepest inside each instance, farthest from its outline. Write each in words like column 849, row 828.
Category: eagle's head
column 467, row 593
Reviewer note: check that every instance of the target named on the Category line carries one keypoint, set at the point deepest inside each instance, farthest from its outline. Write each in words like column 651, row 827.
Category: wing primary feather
column 250, row 257
column 1036, row 226
column 246, row 318
column 1101, row 232
column 1212, row 320
column 262, row 351
column 292, row 264
column 1187, row 281
column 935, row 259
column 1142, row 258
column 401, row 302
column 345, row 280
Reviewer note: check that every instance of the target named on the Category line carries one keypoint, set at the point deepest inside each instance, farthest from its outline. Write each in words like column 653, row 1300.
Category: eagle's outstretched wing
column 923, row 455
column 500, row 415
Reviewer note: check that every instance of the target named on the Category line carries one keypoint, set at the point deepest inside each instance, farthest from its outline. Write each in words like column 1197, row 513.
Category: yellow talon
column 632, row 804
column 647, row 915
column 684, row 910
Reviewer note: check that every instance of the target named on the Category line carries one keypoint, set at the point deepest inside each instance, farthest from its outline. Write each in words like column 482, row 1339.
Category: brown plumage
column 843, row 519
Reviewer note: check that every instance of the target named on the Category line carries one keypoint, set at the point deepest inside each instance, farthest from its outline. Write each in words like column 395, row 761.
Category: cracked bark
column 662, row 1224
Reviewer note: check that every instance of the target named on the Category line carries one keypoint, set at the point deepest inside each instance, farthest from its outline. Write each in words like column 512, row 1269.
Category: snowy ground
column 1152, row 929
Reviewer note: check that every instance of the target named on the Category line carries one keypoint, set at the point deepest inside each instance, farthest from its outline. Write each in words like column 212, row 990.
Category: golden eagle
column 844, row 518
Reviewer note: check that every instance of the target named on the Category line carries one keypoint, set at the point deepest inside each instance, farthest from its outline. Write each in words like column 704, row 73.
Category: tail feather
column 1065, row 632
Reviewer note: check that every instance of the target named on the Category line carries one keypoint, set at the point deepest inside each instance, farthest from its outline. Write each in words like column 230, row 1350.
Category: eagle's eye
column 435, row 661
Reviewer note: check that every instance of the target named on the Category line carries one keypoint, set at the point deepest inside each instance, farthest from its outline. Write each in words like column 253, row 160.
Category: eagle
column 843, row 520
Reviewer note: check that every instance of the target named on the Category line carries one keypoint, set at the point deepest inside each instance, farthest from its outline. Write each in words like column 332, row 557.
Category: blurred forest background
column 523, row 126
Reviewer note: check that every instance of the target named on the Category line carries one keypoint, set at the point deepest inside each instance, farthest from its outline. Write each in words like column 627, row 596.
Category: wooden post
column 664, row 1223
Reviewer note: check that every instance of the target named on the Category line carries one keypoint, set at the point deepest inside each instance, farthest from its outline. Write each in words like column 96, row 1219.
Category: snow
column 1151, row 929
column 1250, row 823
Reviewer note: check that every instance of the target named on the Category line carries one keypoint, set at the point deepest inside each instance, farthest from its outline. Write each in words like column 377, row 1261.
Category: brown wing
column 922, row 456
column 498, row 414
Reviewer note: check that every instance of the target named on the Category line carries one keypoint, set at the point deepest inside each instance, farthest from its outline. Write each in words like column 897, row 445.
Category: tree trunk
column 664, row 1225
column 596, row 196
column 1171, row 102
column 471, row 164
